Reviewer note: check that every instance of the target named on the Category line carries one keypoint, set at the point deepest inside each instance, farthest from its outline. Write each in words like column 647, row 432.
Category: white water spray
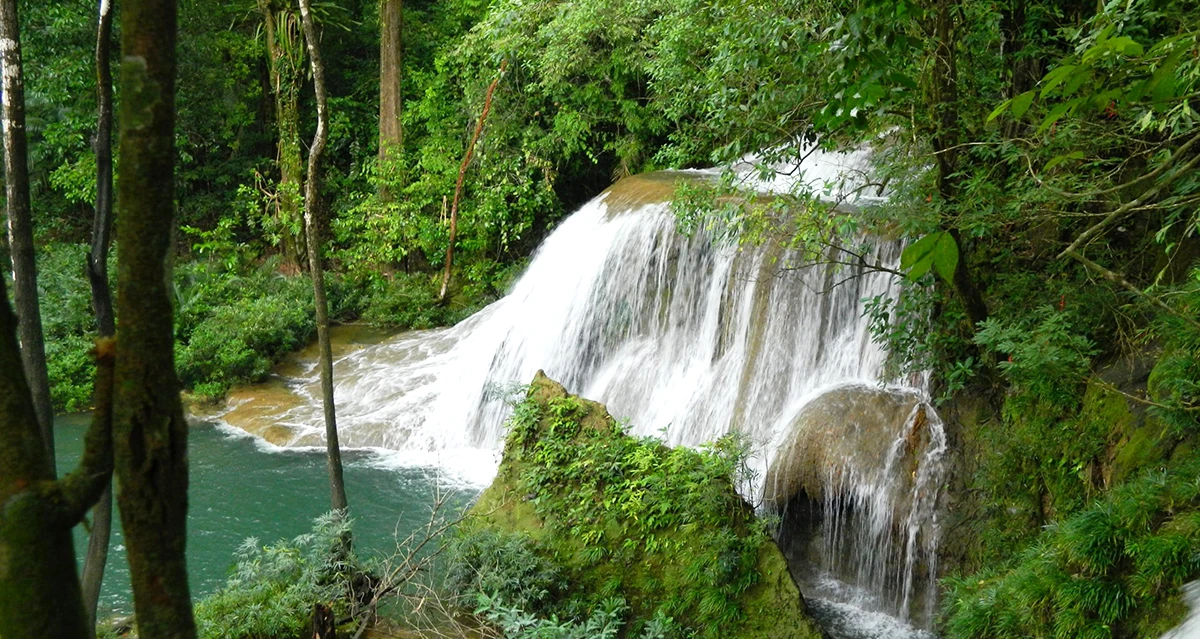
column 686, row 339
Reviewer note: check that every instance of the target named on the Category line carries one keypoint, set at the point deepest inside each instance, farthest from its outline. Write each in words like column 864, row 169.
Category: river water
column 242, row 488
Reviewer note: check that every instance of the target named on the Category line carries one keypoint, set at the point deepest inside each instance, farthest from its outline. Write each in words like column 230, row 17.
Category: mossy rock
column 662, row 528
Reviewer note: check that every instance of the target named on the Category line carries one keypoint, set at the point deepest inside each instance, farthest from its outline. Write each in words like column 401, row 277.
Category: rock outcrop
column 630, row 517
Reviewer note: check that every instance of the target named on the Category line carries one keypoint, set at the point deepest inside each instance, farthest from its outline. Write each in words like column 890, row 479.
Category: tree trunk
column 20, row 225
column 444, row 295
column 150, row 434
column 40, row 597
column 97, row 551
column 391, row 132
column 312, row 195
column 944, row 88
column 39, row 592
column 285, row 59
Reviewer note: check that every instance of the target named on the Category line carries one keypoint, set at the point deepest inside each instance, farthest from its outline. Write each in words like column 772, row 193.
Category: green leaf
column 1055, row 115
column 1074, row 155
column 1020, row 104
column 1000, row 109
column 1055, row 78
column 945, row 257
column 937, row 250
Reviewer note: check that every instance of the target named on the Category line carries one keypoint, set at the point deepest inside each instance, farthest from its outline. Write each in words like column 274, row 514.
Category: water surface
column 241, row 488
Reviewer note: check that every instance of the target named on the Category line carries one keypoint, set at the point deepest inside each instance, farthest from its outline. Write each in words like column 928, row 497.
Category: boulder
column 663, row 528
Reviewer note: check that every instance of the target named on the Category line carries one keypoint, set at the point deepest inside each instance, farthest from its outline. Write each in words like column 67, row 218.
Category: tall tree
column 20, row 224
column 150, row 434
column 312, row 204
column 391, row 132
column 285, row 63
column 40, row 597
column 97, row 268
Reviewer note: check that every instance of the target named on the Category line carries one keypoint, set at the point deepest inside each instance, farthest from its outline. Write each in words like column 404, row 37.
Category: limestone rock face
column 618, row 550
column 848, row 429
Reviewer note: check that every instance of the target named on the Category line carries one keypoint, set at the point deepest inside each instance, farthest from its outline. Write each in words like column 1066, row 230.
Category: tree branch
column 1119, row 280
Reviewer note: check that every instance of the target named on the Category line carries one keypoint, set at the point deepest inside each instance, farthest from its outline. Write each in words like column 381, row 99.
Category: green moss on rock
column 662, row 528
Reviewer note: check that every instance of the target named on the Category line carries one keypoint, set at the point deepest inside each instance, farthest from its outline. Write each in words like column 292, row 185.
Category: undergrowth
column 1108, row 571
column 233, row 321
column 272, row 588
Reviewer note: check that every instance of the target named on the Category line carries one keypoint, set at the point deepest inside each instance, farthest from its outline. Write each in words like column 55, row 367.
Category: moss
column 662, row 528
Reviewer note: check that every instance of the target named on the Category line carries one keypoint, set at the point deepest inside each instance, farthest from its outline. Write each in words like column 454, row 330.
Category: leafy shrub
column 503, row 566
column 1106, row 572
column 272, row 589
column 68, row 324
column 240, row 343
column 1175, row 381
column 602, row 623
column 1046, row 358
column 407, row 301
column 71, row 371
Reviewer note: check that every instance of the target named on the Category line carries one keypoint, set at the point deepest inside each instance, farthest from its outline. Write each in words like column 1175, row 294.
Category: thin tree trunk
column 444, row 295
column 98, row 542
column 312, row 195
column 150, row 434
column 20, row 225
column 391, row 132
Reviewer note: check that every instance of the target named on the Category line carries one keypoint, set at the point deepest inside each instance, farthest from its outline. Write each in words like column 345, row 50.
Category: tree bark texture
column 285, row 58
column 312, row 199
column 20, row 225
column 40, row 596
column 150, row 434
column 391, row 133
column 96, row 558
column 444, row 295
column 944, row 94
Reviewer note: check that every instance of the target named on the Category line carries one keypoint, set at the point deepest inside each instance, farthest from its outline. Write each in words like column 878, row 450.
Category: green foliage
column 272, row 588
column 1047, row 360
column 938, row 251
column 503, row 566
column 612, row 501
column 1175, row 381
column 1098, row 574
column 68, row 324
column 602, row 623
column 232, row 328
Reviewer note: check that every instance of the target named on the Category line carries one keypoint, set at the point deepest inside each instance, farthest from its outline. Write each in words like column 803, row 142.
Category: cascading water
column 857, row 484
column 685, row 338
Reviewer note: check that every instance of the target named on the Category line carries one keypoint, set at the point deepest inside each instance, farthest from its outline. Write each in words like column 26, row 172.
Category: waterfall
column 686, row 338
column 1190, row 628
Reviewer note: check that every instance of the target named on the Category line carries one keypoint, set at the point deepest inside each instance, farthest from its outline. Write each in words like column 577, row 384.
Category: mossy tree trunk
column 391, row 132
column 285, row 61
column 946, row 16
column 40, row 596
column 312, row 200
column 150, row 434
column 98, row 541
column 20, row 224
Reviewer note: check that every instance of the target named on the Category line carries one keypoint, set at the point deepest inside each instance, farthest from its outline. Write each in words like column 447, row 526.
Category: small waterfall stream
column 687, row 340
